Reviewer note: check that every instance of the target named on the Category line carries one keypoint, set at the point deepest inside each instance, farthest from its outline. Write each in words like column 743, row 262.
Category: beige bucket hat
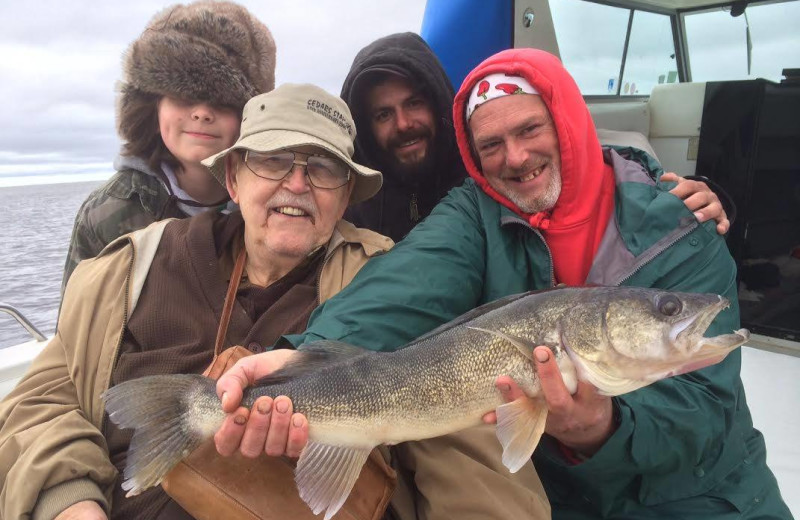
column 298, row 115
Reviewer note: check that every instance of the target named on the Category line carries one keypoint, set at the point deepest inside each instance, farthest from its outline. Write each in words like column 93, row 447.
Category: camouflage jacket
column 132, row 199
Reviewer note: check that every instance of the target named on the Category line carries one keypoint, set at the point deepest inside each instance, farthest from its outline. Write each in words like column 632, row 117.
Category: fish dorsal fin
column 325, row 475
column 523, row 345
column 520, row 425
column 470, row 315
column 332, row 348
column 312, row 357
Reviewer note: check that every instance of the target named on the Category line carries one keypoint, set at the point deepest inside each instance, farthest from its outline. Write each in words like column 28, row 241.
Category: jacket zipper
column 514, row 220
column 652, row 256
column 122, row 332
column 328, row 255
column 413, row 208
column 549, row 255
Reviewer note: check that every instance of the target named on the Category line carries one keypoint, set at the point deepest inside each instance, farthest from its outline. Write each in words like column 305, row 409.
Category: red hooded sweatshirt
column 574, row 228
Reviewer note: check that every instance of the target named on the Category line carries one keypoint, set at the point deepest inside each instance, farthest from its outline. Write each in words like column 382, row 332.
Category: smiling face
column 517, row 145
column 193, row 131
column 402, row 123
column 285, row 220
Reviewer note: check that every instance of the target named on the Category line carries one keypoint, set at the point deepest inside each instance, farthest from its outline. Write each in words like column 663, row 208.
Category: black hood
column 408, row 55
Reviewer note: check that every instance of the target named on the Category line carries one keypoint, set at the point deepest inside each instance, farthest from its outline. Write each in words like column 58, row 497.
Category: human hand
column 699, row 198
column 582, row 421
column 270, row 427
column 84, row 510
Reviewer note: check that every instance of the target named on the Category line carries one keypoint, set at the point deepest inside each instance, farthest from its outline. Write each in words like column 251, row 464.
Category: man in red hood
column 528, row 140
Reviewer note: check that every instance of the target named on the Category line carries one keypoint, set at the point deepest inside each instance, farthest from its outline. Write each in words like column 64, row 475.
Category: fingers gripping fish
column 618, row 339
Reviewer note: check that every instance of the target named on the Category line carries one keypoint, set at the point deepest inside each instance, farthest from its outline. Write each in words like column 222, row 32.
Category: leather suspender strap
column 230, row 300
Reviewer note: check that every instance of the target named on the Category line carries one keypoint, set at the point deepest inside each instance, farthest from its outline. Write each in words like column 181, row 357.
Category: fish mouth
column 687, row 336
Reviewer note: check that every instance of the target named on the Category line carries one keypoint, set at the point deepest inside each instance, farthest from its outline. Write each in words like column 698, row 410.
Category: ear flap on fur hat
column 204, row 51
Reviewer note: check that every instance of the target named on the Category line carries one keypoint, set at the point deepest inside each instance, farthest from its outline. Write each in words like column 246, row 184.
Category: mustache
column 304, row 202
column 410, row 135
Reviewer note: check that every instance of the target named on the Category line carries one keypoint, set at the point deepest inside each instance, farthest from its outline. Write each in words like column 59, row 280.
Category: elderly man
column 154, row 301
column 547, row 205
column 401, row 100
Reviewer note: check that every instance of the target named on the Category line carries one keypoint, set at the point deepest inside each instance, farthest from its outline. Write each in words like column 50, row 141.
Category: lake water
column 35, row 228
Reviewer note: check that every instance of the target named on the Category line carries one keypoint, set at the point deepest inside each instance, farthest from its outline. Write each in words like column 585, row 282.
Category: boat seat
column 667, row 125
column 676, row 111
column 618, row 138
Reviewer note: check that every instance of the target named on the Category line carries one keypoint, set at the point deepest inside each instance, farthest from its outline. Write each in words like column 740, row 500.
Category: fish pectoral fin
column 523, row 345
column 520, row 425
column 325, row 475
column 612, row 385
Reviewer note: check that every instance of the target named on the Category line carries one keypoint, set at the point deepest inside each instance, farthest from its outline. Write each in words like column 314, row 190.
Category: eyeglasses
column 323, row 172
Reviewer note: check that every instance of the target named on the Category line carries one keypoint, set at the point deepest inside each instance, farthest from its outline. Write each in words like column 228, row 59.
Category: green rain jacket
column 688, row 436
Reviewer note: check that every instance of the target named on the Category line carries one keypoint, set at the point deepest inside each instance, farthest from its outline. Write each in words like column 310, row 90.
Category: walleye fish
column 617, row 338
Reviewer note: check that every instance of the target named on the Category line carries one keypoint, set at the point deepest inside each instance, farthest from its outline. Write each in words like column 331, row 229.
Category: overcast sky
column 61, row 60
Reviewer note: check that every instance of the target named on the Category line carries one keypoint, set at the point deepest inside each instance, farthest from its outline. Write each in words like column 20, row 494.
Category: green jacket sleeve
column 432, row 276
column 84, row 243
column 682, row 435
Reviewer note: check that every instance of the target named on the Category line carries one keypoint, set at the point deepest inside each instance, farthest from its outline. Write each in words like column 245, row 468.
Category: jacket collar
column 372, row 242
column 138, row 179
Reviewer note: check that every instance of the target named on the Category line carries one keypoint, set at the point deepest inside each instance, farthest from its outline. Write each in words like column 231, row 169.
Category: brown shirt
column 175, row 323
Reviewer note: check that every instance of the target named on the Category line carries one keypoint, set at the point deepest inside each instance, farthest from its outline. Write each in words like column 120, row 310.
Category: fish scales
column 451, row 375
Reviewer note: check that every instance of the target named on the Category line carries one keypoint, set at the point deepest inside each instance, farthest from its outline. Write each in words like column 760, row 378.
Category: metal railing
column 22, row 320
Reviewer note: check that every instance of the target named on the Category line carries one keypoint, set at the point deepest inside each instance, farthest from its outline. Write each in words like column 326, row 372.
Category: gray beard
column 545, row 201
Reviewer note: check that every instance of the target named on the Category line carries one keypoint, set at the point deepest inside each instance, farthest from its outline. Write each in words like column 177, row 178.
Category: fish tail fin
column 520, row 425
column 164, row 412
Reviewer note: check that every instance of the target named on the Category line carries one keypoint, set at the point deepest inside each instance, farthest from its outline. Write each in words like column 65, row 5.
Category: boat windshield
column 615, row 51
column 718, row 42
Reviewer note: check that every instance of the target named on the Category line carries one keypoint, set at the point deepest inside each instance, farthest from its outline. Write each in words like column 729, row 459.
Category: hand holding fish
column 582, row 421
column 269, row 426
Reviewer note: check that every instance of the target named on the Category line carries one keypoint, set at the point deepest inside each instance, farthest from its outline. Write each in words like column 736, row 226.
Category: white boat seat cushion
column 618, row 138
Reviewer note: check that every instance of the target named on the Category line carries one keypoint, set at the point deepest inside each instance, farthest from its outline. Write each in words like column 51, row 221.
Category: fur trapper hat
column 204, row 51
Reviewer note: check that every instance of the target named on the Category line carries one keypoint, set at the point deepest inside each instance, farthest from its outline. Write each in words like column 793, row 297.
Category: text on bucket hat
column 299, row 115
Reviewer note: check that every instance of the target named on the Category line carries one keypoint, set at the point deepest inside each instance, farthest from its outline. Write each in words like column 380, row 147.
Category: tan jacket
column 53, row 454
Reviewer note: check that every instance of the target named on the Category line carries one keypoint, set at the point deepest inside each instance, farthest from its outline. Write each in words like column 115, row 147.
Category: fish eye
column 669, row 305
